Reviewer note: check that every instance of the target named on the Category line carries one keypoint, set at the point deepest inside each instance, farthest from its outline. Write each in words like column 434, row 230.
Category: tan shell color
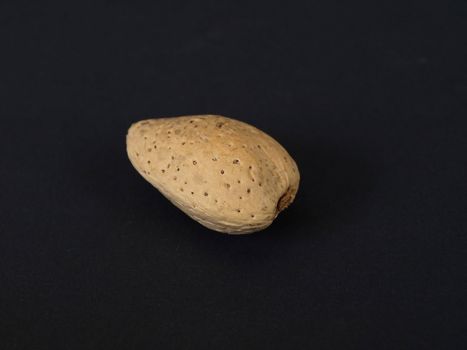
column 227, row 175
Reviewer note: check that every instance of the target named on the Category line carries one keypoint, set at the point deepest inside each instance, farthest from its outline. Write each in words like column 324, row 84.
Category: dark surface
column 371, row 101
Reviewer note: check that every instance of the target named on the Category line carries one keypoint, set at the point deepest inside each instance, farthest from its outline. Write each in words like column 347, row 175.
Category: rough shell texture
column 227, row 175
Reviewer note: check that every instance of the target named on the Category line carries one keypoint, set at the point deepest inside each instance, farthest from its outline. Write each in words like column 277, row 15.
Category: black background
column 369, row 98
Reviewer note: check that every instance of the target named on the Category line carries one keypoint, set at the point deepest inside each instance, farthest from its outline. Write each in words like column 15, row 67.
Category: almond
column 228, row 175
